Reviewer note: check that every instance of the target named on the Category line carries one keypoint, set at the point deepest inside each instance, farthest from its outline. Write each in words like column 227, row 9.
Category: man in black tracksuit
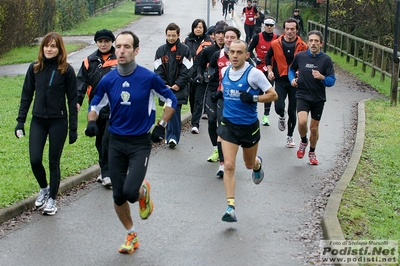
column 173, row 63
column 93, row 68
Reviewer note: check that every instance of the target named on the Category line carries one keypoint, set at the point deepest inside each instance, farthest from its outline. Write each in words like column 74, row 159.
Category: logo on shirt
column 312, row 66
column 233, row 94
column 125, row 98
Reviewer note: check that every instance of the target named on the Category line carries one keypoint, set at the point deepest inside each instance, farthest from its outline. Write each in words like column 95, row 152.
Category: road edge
column 330, row 222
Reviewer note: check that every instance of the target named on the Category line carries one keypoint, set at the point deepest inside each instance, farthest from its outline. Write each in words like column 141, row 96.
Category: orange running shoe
column 131, row 243
column 146, row 204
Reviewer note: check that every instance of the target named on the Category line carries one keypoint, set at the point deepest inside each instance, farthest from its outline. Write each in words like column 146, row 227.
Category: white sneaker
column 50, row 208
column 106, row 182
column 172, row 143
column 42, row 198
column 195, row 130
column 282, row 122
column 220, row 172
column 290, row 142
column 99, row 179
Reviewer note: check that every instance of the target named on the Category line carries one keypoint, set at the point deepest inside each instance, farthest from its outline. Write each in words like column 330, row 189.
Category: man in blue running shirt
column 243, row 87
column 130, row 91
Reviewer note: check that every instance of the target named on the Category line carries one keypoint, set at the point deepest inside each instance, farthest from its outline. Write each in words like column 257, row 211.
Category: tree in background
column 372, row 20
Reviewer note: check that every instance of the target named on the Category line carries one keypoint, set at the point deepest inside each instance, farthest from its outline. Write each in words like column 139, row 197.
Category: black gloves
column 73, row 135
column 216, row 95
column 247, row 97
column 158, row 134
column 199, row 79
column 19, row 129
column 91, row 129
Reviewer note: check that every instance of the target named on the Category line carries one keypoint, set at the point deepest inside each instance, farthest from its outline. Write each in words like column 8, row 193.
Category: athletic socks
column 231, row 202
column 256, row 168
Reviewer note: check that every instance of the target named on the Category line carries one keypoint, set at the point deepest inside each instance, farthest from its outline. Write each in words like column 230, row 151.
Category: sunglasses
column 269, row 25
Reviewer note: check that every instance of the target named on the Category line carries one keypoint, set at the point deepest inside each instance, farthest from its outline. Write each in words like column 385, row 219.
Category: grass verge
column 113, row 20
column 27, row 54
column 370, row 206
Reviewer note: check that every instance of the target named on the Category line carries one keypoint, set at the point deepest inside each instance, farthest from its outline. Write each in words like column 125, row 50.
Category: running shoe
column 172, row 143
column 106, row 182
column 131, row 243
column 313, row 158
column 204, row 116
column 265, row 120
column 220, row 172
column 229, row 215
column 214, row 157
column 195, row 130
column 302, row 150
column 146, row 204
column 50, row 208
column 290, row 142
column 282, row 123
column 258, row 175
column 42, row 198
column 99, row 179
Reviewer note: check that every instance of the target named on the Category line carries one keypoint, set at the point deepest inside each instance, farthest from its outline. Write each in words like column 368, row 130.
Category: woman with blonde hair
column 50, row 82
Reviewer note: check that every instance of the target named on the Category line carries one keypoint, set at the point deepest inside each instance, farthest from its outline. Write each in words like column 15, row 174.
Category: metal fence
column 379, row 58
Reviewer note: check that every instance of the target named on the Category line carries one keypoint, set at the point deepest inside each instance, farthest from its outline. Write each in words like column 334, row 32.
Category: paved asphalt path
column 186, row 226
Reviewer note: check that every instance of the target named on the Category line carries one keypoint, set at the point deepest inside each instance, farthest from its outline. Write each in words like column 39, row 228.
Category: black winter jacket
column 204, row 60
column 50, row 89
column 93, row 68
column 194, row 42
column 175, row 68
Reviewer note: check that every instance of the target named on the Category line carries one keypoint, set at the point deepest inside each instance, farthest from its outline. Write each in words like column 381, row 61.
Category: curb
column 330, row 223
column 66, row 184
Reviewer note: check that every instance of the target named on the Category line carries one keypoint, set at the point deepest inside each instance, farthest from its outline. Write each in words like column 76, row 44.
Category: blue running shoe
column 258, row 175
column 229, row 215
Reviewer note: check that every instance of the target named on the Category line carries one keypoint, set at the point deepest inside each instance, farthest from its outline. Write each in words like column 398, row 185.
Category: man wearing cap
column 261, row 43
column 251, row 14
column 93, row 68
column 297, row 16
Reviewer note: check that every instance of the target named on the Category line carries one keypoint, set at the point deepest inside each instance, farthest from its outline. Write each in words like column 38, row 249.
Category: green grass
column 113, row 20
column 370, row 206
column 29, row 54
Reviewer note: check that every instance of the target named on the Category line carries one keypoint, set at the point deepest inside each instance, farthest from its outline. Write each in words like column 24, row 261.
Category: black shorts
column 243, row 135
column 315, row 108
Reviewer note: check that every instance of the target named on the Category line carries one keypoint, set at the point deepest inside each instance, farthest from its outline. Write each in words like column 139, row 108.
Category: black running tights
column 56, row 129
